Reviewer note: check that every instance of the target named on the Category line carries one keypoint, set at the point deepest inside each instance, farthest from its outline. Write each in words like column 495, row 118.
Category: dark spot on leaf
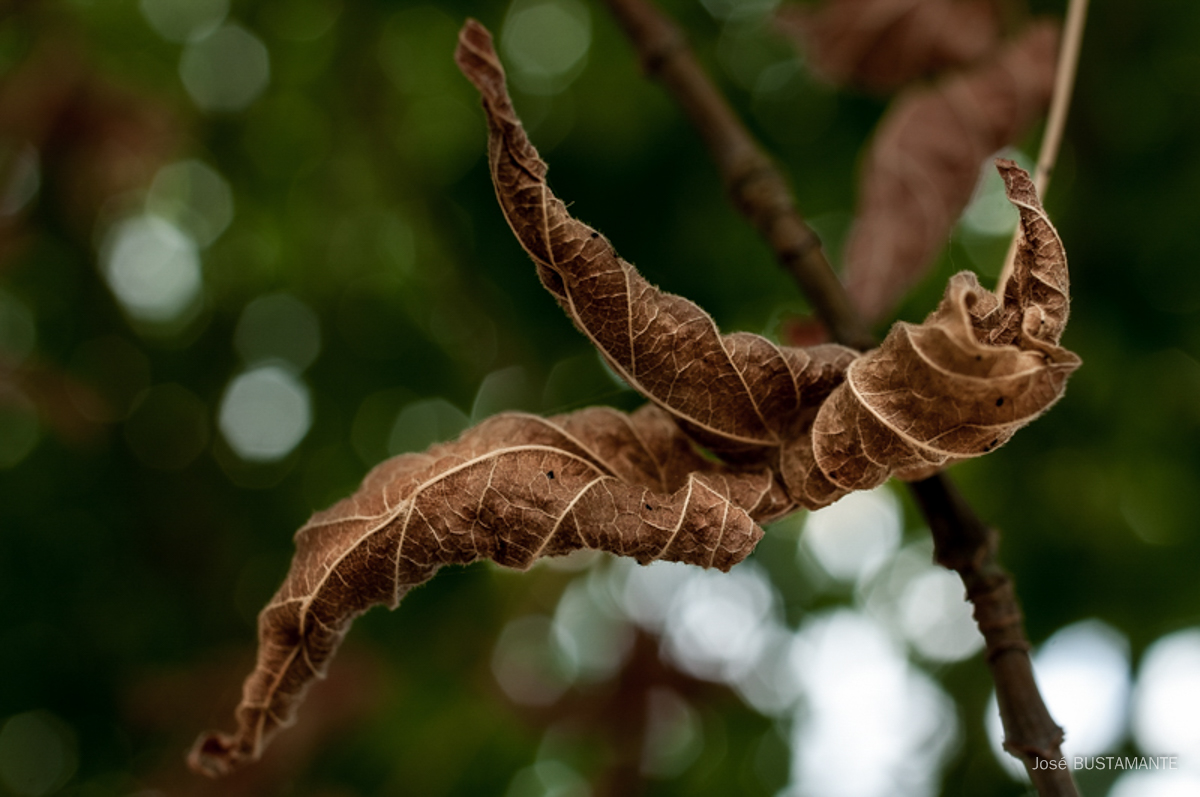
column 595, row 235
column 649, row 507
column 550, row 474
column 1000, row 401
column 978, row 357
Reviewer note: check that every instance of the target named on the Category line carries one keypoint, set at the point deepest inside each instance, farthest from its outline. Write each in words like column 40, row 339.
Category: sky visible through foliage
column 249, row 250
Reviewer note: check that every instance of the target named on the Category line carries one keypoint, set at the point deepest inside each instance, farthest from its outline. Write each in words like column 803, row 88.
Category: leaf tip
column 473, row 36
column 476, row 58
column 1016, row 180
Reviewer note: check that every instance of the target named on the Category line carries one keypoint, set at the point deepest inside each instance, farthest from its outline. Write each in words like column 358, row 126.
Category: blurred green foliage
column 137, row 543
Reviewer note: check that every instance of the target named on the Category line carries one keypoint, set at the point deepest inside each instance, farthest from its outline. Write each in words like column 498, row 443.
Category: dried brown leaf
column 513, row 489
column 880, row 45
column 752, row 401
column 963, row 382
column 925, row 160
column 740, row 395
column 801, row 427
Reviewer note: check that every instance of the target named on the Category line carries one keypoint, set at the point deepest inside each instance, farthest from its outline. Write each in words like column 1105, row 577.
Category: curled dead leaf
column 795, row 427
column 513, row 489
column 740, row 395
column 925, row 160
column 880, row 45
column 889, row 411
column 959, row 385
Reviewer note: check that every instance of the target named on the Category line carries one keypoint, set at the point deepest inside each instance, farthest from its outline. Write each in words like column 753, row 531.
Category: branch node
column 1042, row 752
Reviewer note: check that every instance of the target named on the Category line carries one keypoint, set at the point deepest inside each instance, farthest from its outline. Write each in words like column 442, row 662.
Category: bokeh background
column 250, row 249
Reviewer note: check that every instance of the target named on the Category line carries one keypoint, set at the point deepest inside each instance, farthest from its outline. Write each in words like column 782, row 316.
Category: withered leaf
column 880, row 45
column 513, row 489
column 960, row 384
column 740, row 395
column 926, row 157
column 799, row 427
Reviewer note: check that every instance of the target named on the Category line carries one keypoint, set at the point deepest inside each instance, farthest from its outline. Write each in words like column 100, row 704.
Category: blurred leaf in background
column 250, row 249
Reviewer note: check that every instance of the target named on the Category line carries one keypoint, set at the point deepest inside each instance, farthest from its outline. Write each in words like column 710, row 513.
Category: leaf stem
column 1056, row 122
column 962, row 541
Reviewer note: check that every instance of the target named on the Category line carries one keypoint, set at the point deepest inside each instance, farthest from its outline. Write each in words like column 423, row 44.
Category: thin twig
column 1056, row 122
column 962, row 541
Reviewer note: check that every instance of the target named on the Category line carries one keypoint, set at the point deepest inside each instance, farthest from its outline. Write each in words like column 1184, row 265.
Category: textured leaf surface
column 925, row 160
column 795, row 427
column 740, row 394
column 513, row 489
column 882, row 44
column 910, row 403
column 963, row 382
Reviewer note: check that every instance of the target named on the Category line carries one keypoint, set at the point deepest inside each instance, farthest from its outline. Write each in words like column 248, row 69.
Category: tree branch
column 965, row 544
column 755, row 185
column 962, row 542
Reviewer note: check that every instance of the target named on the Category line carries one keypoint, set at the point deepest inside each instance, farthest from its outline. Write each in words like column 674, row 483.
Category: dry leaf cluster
column 922, row 166
column 924, row 162
column 792, row 428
